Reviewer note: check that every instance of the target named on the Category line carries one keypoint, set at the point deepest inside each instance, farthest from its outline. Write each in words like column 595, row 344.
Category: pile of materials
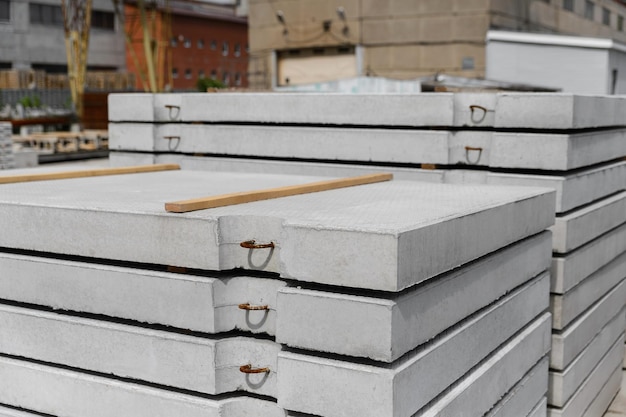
column 573, row 144
column 7, row 160
column 123, row 294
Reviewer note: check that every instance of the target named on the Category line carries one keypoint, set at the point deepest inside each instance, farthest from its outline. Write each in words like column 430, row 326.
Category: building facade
column 303, row 41
column 32, row 37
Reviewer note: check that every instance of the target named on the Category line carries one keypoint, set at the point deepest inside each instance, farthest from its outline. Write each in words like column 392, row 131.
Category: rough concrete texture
column 581, row 226
column 564, row 384
column 313, row 233
column 132, row 136
column 522, row 398
column 324, row 386
column 566, row 307
column 203, row 304
column 593, row 385
column 618, row 405
column 198, row 364
column 395, row 325
column 569, row 343
column 69, row 393
column 603, row 401
column 557, row 111
column 571, row 269
column 540, row 410
column 484, row 386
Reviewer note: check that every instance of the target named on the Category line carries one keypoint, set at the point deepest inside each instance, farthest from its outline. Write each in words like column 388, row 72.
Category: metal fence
column 58, row 99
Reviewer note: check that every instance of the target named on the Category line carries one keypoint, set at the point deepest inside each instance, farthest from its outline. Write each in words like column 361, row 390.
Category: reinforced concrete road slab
column 74, row 394
column 123, row 218
column 197, row 303
column 11, row 412
column 600, row 404
column 341, row 388
column 200, row 364
column 386, row 328
column 540, row 410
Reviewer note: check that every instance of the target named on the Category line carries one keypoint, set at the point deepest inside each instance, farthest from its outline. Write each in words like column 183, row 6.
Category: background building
column 304, row 41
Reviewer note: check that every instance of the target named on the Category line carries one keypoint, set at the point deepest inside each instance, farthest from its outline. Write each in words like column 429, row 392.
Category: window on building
column 225, row 48
column 589, row 9
column 247, row 49
column 620, row 23
column 45, row 14
column 200, row 43
column 174, row 73
column 5, row 10
column 226, row 78
column 173, row 42
column 606, row 16
column 188, row 74
column 213, row 74
column 237, row 50
column 213, row 45
column 237, row 79
column 103, row 20
column 187, row 43
column 568, row 5
column 200, row 73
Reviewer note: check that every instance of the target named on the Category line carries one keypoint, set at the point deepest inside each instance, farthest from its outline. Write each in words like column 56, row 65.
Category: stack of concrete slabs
column 7, row 160
column 123, row 336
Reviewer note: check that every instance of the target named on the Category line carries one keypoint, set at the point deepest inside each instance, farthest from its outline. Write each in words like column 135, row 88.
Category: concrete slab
column 202, row 304
column 11, row 412
column 573, row 190
column 313, row 233
column 600, row 404
column 340, row 388
column 556, row 152
column 398, row 324
column 470, row 147
column 474, row 109
column 569, row 343
column 540, row 410
column 73, row 394
column 122, row 159
column 131, row 106
column 564, row 384
column 581, row 226
column 323, row 109
column 571, row 269
column 557, row 111
column 197, row 364
column 530, row 390
column 618, row 405
column 132, row 136
column 482, row 388
column 566, row 307
column 592, row 386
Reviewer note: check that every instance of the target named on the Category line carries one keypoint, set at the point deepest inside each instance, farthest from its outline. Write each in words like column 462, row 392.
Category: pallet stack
column 573, row 144
column 393, row 298
column 7, row 159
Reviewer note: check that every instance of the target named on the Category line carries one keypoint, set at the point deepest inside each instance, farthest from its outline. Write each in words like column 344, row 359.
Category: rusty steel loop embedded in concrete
column 247, row 306
column 171, row 138
column 248, row 369
column 471, row 148
column 251, row 244
column 170, row 107
column 484, row 110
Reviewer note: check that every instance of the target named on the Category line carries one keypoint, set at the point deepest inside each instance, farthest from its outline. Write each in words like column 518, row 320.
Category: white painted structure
column 574, row 64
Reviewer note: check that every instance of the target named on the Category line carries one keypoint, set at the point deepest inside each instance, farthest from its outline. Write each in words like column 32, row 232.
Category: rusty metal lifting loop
column 473, row 108
column 248, row 369
column 170, row 107
column 251, row 244
column 471, row 148
column 247, row 306
column 171, row 138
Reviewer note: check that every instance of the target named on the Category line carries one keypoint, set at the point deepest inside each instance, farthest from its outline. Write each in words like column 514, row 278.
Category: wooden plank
column 250, row 196
column 88, row 173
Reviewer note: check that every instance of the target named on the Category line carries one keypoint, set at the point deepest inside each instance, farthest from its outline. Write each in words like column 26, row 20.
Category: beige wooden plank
column 87, row 173
column 250, row 196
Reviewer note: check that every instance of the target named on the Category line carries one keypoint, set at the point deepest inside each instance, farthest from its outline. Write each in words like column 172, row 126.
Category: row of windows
column 5, row 10
column 225, row 75
column 590, row 11
column 46, row 14
column 186, row 42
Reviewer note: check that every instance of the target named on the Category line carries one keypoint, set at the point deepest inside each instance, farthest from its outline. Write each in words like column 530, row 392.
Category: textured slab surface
column 566, row 345
column 314, row 234
column 386, row 328
column 201, row 304
column 566, row 307
column 540, row 410
column 600, row 404
column 482, row 388
column 11, row 412
column 581, row 226
column 564, row 384
column 571, row 269
column 340, row 388
column 72, row 394
column 193, row 363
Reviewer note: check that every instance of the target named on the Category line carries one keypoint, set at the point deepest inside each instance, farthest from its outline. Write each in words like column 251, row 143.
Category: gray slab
column 571, row 269
column 525, row 395
column 340, row 388
column 566, row 307
column 581, row 226
column 73, row 394
column 569, row 343
column 557, row 111
column 386, row 328
column 564, row 384
column 198, row 364
column 540, row 410
column 201, row 304
column 602, row 402
column 481, row 389
column 313, row 233
column 593, row 384
column 11, row 412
